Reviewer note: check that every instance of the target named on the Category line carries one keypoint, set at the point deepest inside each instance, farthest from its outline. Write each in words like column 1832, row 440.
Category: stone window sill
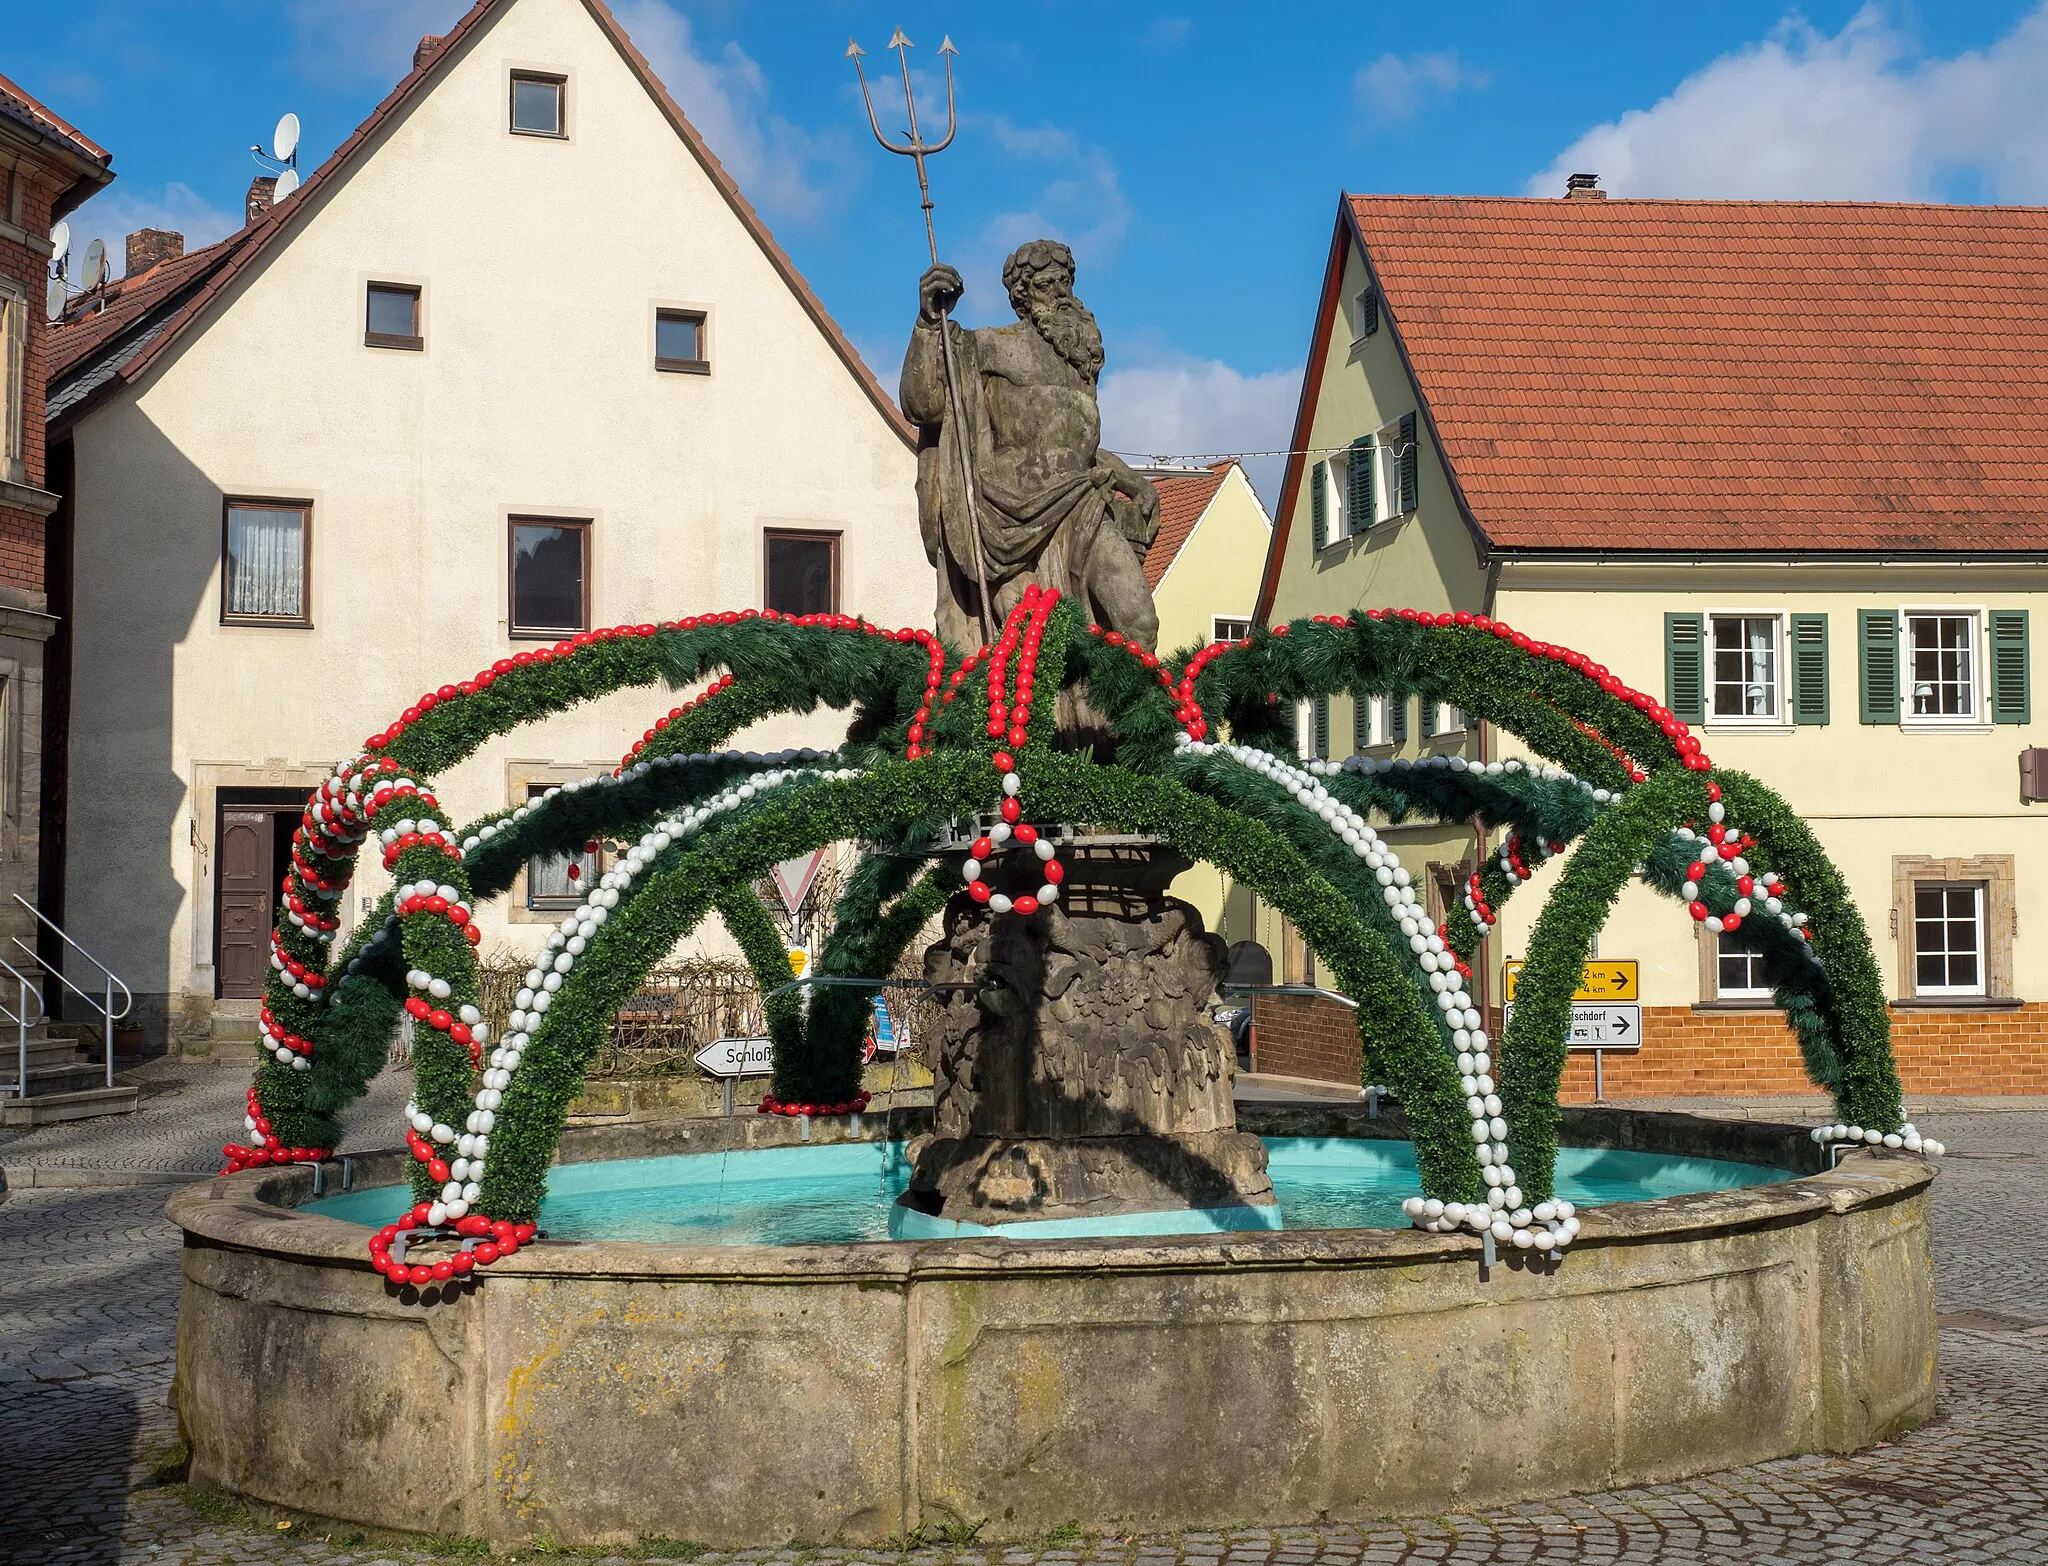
column 1959, row 1003
column 1736, row 1005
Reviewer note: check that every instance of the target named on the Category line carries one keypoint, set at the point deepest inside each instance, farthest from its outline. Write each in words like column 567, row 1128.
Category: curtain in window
column 266, row 562
column 1763, row 679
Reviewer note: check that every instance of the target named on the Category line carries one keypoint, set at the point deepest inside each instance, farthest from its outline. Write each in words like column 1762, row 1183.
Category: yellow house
column 1782, row 462
column 1203, row 568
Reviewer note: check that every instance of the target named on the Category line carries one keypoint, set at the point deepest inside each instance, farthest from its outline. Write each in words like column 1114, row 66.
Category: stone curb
column 51, row 1177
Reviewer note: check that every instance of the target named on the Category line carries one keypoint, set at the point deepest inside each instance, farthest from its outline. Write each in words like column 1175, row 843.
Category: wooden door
column 245, row 897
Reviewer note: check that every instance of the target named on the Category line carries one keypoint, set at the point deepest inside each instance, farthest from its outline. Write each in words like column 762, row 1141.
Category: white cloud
column 118, row 211
column 1186, row 407
column 726, row 98
column 1083, row 206
column 345, row 40
column 1857, row 116
column 1395, row 86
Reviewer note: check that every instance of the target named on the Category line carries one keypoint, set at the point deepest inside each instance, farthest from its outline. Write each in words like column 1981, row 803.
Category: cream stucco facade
column 540, row 263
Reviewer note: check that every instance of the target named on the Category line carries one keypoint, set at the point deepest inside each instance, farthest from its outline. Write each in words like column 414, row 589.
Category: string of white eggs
column 1549, row 1225
column 569, row 941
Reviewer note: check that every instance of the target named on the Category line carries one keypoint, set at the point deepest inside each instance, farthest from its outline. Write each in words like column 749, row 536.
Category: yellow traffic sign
column 799, row 960
column 1605, row 979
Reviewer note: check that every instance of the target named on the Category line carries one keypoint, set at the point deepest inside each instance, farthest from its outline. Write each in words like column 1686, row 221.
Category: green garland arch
column 1623, row 787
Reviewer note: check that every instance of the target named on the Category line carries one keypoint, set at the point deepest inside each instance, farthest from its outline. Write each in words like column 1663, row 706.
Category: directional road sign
column 1604, row 979
column 738, row 1057
column 1616, row 1029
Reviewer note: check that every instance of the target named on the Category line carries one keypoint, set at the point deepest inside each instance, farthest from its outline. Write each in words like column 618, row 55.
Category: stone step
column 69, row 1076
column 41, row 1052
column 83, row 1105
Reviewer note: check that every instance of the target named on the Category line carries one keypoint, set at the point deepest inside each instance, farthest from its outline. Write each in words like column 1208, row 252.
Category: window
column 13, row 383
column 1738, row 975
column 1941, row 666
column 265, row 556
column 1365, row 314
column 550, row 576
column 392, row 318
column 561, row 880
column 1227, row 628
column 801, row 573
column 679, row 342
column 1368, row 721
column 1948, row 938
column 537, row 103
column 1747, row 668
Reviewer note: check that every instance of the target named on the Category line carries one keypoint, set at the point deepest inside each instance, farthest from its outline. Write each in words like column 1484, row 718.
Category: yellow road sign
column 799, row 960
column 1605, row 979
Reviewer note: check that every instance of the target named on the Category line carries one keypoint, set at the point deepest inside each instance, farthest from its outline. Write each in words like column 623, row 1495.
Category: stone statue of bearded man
column 1053, row 507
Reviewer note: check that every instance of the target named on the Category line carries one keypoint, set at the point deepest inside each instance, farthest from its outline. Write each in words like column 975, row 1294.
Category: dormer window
column 537, row 104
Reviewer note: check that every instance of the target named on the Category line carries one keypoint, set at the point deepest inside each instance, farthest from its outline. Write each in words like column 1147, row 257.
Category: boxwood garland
column 1638, row 773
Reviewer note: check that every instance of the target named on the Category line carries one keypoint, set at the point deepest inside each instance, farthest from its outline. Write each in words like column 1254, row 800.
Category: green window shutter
column 1809, row 668
column 1428, row 716
column 1361, row 720
column 1685, row 666
column 1368, row 312
column 1397, row 719
column 1358, row 511
column 1877, row 638
column 1319, row 726
column 1410, row 465
column 1319, row 503
column 2010, row 700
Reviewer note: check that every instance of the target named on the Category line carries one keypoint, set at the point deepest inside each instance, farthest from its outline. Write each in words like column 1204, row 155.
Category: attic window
column 537, row 103
column 679, row 342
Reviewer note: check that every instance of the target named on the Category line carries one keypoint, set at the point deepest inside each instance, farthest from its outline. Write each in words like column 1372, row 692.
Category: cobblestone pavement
column 88, row 1290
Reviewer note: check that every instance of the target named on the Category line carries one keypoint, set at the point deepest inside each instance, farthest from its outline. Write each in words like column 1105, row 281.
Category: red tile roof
column 91, row 164
column 54, row 124
column 225, row 261
column 1721, row 375
column 1183, row 497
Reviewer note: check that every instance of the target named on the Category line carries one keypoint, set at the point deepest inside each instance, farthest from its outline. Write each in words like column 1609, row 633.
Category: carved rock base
column 1082, row 1074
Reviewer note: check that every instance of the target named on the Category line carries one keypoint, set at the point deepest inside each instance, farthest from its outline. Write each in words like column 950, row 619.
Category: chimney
column 1583, row 187
column 429, row 46
column 148, row 247
column 262, row 192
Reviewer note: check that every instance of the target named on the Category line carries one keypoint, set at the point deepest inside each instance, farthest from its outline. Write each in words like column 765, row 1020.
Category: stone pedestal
column 1082, row 1075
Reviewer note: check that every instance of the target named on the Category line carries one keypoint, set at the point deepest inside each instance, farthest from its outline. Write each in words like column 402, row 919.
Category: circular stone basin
column 762, row 1367
column 846, row 1192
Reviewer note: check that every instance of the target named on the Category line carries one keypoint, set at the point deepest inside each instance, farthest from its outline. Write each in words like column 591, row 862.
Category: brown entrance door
column 247, row 892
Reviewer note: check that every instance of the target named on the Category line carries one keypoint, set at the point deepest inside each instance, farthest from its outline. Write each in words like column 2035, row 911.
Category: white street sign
column 1616, row 1028
column 793, row 878
column 738, row 1057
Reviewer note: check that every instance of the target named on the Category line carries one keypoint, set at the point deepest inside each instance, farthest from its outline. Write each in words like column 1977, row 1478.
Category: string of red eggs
column 716, row 688
column 272, row 1150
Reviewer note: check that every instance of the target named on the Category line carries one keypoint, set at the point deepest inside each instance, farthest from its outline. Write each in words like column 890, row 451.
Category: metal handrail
column 21, row 1023
column 114, row 982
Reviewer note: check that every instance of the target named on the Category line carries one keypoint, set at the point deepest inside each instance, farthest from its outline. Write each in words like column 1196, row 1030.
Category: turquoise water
column 847, row 1191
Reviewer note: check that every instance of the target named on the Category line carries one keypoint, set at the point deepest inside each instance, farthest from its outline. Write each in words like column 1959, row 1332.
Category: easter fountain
column 1033, row 1309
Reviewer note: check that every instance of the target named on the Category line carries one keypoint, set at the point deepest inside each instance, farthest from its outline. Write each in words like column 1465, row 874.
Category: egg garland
column 1548, row 1226
column 1558, row 701
column 1907, row 1137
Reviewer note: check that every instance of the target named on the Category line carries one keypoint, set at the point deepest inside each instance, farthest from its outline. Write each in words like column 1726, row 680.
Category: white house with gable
column 517, row 360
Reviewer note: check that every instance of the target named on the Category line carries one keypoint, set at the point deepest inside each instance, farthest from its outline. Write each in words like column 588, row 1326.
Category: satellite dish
column 60, row 242
column 95, row 265
column 287, row 182
column 55, row 300
column 284, row 141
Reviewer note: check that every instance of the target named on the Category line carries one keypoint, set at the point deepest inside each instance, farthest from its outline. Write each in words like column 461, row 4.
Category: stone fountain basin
column 602, row 1392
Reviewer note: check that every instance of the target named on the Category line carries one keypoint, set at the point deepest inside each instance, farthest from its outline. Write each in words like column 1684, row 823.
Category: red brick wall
column 21, row 532
column 1709, row 1054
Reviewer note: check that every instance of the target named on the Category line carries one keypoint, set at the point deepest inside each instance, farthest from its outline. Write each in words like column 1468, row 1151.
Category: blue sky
column 1191, row 153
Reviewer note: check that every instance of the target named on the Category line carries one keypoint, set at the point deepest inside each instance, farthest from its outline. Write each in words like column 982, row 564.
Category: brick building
column 46, row 169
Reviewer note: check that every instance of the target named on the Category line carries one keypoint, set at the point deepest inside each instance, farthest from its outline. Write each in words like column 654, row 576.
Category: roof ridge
column 1614, row 203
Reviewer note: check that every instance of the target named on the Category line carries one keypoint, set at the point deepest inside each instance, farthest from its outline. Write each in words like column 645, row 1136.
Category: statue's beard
column 1072, row 331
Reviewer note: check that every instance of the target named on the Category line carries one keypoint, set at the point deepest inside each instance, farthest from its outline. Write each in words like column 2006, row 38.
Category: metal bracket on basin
column 1487, row 1257
column 803, row 1126
column 1372, row 1103
column 319, row 1179
column 348, row 1174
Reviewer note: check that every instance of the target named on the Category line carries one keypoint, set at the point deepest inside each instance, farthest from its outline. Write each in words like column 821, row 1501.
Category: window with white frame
column 1738, row 975
column 1339, row 481
column 561, row 880
column 1450, row 720
column 1368, row 721
column 1365, row 314
column 1229, row 628
column 1941, row 665
column 1948, row 938
column 14, row 309
column 1748, row 668
column 1386, row 479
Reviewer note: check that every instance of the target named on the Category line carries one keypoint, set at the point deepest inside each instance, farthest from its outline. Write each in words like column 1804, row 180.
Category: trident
column 918, row 150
